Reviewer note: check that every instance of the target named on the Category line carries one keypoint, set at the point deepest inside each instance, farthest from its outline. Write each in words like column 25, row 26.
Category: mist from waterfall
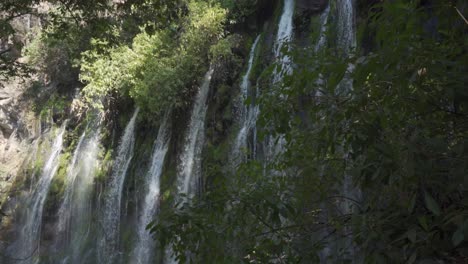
column 64, row 213
column 75, row 213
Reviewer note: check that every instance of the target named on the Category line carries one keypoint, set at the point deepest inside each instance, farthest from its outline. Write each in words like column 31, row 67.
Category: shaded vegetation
column 375, row 160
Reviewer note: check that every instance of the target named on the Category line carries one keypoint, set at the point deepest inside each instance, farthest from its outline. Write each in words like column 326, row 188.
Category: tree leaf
column 413, row 257
column 431, row 204
column 423, row 222
column 458, row 236
column 412, row 235
column 412, row 204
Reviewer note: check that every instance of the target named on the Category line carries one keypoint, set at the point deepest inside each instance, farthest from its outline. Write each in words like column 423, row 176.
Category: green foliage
column 53, row 105
column 239, row 10
column 393, row 126
column 234, row 221
column 104, row 166
column 63, row 18
column 159, row 70
column 401, row 128
column 153, row 14
column 222, row 51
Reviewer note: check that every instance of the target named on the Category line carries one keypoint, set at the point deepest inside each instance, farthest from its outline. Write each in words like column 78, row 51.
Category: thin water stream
column 27, row 246
column 143, row 251
column 108, row 246
column 248, row 114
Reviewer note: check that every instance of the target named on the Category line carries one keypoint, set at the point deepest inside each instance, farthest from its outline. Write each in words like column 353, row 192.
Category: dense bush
column 160, row 69
column 375, row 156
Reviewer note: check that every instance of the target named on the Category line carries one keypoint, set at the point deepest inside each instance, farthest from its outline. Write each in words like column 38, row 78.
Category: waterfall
column 323, row 29
column 347, row 42
column 248, row 113
column 110, row 223
column 190, row 167
column 346, row 28
column 145, row 244
column 275, row 146
column 65, row 207
column 284, row 35
column 75, row 211
column 190, row 163
column 321, row 42
column 28, row 244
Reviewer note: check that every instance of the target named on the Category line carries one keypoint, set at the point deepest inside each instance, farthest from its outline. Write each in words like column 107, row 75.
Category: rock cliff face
column 18, row 125
column 17, row 129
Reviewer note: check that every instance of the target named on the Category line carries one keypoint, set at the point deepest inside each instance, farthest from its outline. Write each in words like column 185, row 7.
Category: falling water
column 248, row 113
column 28, row 244
column 284, row 35
column 189, row 170
column 346, row 31
column 190, row 166
column 323, row 29
column 347, row 41
column 275, row 146
column 65, row 210
column 110, row 223
column 144, row 245
column 75, row 212
column 321, row 42
column 254, row 128
column 346, row 28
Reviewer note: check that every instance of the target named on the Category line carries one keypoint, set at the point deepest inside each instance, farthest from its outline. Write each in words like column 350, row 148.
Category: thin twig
column 461, row 15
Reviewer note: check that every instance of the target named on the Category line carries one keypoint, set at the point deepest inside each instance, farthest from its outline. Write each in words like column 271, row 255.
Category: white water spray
column 75, row 213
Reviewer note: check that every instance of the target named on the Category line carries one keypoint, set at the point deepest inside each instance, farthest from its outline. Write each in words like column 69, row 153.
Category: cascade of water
column 346, row 27
column 142, row 252
column 28, row 243
column 189, row 170
column 323, row 29
column 75, row 211
column 275, row 146
column 248, row 113
column 321, row 42
column 110, row 225
column 65, row 211
column 346, row 31
column 347, row 41
column 284, row 35
column 190, row 163
column 254, row 128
